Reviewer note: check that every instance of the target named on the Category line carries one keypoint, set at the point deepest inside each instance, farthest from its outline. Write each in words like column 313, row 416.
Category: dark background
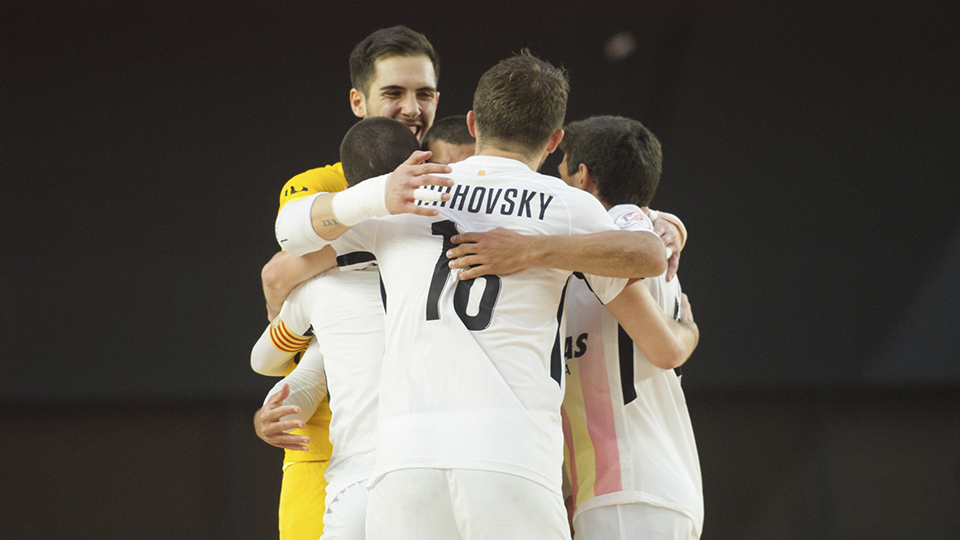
column 810, row 148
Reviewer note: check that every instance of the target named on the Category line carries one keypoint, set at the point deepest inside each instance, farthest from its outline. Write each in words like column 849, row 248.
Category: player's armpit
column 665, row 342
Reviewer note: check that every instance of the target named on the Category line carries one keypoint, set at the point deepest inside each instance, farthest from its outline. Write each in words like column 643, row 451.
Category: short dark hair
column 384, row 43
column 452, row 129
column 375, row 146
column 623, row 155
column 520, row 102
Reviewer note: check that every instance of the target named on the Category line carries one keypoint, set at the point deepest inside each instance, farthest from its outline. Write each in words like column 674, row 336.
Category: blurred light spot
column 620, row 46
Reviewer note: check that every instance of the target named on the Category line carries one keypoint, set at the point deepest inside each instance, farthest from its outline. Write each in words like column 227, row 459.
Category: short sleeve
column 629, row 217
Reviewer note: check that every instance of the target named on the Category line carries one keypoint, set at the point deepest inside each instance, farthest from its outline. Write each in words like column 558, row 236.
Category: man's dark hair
column 623, row 155
column 375, row 146
column 520, row 102
column 452, row 129
column 384, row 43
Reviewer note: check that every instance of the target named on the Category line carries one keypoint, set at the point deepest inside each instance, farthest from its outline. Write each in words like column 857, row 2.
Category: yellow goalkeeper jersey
column 319, row 180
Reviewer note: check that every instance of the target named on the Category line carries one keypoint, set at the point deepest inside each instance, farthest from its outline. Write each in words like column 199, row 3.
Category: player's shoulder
column 329, row 178
column 630, row 217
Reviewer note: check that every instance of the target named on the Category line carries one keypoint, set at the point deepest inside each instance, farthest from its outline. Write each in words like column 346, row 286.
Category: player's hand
column 402, row 185
column 670, row 234
column 686, row 314
column 272, row 428
column 499, row 251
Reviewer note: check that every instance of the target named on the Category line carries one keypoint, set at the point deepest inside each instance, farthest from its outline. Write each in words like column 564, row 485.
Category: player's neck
column 533, row 162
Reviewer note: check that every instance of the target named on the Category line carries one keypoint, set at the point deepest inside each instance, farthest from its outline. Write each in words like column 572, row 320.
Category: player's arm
column 274, row 352
column 631, row 254
column 674, row 235
column 291, row 402
column 310, row 223
column 285, row 271
column 666, row 343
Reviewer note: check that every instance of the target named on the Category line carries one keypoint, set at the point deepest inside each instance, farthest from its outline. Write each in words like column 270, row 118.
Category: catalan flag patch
column 285, row 340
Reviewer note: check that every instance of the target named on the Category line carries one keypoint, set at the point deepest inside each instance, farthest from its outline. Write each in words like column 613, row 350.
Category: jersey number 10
column 461, row 296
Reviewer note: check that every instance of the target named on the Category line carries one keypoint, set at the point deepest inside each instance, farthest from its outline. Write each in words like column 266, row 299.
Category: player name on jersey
column 487, row 200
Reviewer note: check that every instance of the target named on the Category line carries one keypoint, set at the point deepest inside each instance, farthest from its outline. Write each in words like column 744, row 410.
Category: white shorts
column 634, row 521
column 463, row 504
column 345, row 517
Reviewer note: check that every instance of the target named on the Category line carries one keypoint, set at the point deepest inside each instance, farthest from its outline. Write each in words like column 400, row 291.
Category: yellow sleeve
column 319, row 180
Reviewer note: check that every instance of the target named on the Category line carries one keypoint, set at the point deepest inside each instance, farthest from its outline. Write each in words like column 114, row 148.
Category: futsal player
column 630, row 452
column 343, row 309
column 470, row 440
column 394, row 73
column 449, row 140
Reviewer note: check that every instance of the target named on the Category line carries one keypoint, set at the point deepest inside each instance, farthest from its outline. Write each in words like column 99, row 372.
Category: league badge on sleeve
column 633, row 220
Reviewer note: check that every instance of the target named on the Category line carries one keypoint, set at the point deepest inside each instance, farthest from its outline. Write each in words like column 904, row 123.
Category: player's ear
column 587, row 181
column 472, row 124
column 358, row 103
column 554, row 141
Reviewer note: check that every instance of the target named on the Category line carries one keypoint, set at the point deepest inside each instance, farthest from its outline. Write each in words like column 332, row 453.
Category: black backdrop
column 808, row 147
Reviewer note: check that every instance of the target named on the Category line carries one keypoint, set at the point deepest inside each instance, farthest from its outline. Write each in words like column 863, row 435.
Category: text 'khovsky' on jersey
column 507, row 201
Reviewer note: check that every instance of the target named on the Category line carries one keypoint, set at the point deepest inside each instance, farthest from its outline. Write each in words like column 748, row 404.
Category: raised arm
column 631, row 254
column 666, row 343
column 310, row 223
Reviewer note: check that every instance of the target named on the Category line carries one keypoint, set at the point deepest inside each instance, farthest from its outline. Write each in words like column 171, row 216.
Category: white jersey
column 627, row 432
column 472, row 369
column 345, row 310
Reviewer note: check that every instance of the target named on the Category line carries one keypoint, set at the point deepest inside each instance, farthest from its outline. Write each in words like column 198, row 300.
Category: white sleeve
column 629, row 217
column 287, row 335
column 266, row 359
column 307, row 382
column 294, row 227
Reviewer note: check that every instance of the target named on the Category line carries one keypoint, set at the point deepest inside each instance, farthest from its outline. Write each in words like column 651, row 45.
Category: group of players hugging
column 471, row 349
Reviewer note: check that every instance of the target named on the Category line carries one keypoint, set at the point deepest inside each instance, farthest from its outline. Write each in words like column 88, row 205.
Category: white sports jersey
column 345, row 310
column 472, row 369
column 627, row 432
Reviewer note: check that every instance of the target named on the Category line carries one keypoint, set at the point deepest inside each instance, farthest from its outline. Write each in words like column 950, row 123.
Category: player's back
column 627, row 430
column 472, row 370
column 345, row 310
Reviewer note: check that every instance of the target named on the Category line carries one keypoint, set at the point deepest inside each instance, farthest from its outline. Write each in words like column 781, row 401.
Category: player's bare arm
column 332, row 214
column 631, row 254
column 674, row 236
column 666, row 343
column 285, row 271
column 273, row 429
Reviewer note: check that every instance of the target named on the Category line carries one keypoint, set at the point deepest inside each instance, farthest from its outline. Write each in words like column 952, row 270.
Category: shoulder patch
column 634, row 220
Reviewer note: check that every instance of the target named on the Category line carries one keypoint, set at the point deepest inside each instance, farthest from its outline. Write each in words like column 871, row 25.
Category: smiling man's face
column 404, row 88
